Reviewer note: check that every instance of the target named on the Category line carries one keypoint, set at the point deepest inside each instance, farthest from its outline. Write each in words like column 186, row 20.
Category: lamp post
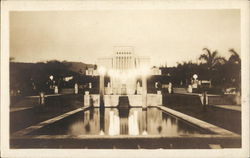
column 51, row 77
column 51, row 84
column 195, row 84
column 195, row 76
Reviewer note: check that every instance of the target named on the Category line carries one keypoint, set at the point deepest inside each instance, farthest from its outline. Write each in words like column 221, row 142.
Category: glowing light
column 144, row 71
column 51, row 77
column 126, row 75
column 101, row 132
column 111, row 73
column 195, row 76
column 144, row 133
column 102, row 70
column 68, row 78
column 132, row 73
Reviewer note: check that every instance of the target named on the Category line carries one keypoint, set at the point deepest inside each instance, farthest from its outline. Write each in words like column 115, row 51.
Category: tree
column 182, row 74
column 211, row 58
column 232, row 70
column 234, row 58
column 212, row 66
column 31, row 78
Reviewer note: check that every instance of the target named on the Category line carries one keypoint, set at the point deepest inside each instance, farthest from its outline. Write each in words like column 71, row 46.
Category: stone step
column 123, row 102
column 67, row 91
column 179, row 90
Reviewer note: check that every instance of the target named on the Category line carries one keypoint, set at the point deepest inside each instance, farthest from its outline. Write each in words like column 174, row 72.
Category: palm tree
column 212, row 64
column 234, row 58
column 211, row 58
column 233, row 69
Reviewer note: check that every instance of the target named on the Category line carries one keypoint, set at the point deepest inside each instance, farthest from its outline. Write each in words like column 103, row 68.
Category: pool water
column 113, row 121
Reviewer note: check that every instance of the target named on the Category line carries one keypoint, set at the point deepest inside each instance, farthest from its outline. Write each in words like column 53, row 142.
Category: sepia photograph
column 124, row 77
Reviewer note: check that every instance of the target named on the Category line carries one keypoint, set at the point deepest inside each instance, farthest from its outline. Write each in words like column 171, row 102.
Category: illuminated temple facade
column 125, row 71
column 124, row 75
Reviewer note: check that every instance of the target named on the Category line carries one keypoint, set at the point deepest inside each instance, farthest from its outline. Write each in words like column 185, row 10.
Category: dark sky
column 165, row 35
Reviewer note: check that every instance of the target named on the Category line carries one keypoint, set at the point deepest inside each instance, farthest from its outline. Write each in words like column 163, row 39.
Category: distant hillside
column 78, row 66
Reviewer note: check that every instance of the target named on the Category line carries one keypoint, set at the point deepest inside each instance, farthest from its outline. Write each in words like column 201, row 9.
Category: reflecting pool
column 113, row 121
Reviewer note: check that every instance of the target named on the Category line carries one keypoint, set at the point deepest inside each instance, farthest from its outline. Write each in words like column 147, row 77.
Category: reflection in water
column 102, row 121
column 123, row 115
column 144, row 121
column 113, row 121
column 133, row 123
column 126, row 124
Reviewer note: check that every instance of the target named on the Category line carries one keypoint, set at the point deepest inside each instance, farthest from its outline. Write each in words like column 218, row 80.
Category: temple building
column 125, row 71
column 125, row 74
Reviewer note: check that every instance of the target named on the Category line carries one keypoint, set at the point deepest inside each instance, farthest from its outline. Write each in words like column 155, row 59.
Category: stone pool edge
column 32, row 128
column 199, row 123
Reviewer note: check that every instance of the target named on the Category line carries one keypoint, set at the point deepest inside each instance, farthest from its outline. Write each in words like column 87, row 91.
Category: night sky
column 167, row 36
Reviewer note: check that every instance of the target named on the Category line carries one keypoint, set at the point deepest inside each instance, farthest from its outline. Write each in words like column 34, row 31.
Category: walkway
column 197, row 94
column 15, row 109
column 47, row 95
column 25, row 107
column 229, row 107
